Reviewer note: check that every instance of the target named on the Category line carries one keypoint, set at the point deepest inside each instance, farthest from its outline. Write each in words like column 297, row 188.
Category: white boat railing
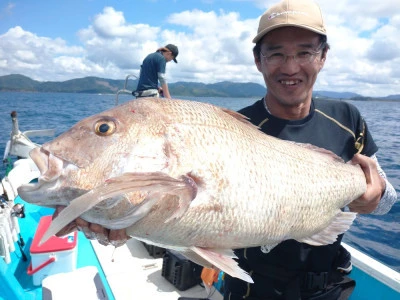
column 374, row 268
column 24, row 170
column 20, row 143
column 124, row 90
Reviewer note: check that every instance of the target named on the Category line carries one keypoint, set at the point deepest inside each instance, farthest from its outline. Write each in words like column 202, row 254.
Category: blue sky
column 56, row 18
column 54, row 40
column 63, row 18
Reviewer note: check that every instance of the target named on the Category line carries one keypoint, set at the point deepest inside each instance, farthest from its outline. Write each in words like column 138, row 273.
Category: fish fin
column 194, row 257
column 239, row 117
column 157, row 183
column 339, row 225
column 154, row 183
column 223, row 260
column 324, row 151
column 186, row 192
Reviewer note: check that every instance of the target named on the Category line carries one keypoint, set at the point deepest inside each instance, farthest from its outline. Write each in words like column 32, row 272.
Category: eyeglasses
column 302, row 57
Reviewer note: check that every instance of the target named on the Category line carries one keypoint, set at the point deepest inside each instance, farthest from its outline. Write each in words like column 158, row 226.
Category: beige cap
column 299, row 13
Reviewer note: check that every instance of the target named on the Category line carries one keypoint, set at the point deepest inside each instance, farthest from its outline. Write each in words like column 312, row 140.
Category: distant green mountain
column 220, row 89
column 336, row 95
column 83, row 85
column 17, row 82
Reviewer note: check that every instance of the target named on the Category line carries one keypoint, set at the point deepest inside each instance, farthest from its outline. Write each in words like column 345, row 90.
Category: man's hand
column 160, row 91
column 94, row 231
column 375, row 186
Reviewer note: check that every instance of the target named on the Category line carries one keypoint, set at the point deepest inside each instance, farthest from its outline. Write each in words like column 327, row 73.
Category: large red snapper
column 195, row 178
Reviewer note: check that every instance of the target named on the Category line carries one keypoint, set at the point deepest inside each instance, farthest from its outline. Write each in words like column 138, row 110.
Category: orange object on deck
column 209, row 276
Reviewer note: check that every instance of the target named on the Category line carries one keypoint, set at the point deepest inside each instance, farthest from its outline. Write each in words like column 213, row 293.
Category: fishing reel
column 18, row 210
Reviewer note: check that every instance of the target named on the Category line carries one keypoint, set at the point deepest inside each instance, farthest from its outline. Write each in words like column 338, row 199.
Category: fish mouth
column 51, row 168
column 54, row 190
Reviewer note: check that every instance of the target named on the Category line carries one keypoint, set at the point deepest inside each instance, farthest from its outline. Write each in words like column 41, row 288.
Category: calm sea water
column 377, row 236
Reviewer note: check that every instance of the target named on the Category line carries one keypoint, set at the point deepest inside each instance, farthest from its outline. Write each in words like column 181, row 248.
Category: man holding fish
column 203, row 180
column 291, row 49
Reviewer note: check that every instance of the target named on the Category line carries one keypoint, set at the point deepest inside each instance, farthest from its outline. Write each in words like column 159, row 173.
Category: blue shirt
column 153, row 64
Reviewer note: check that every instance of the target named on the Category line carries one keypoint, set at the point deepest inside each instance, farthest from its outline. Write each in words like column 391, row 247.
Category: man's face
column 168, row 56
column 290, row 81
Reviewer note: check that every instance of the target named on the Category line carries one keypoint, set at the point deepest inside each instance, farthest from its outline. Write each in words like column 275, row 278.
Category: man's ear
column 323, row 59
column 257, row 62
column 325, row 54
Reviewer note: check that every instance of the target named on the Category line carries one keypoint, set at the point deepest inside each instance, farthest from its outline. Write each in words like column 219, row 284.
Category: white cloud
column 215, row 46
column 25, row 53
column 364, row 47
column 110, row 40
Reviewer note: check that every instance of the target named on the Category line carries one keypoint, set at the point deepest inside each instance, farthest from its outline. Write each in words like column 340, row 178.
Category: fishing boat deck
column 126, row 272
column 131, row 272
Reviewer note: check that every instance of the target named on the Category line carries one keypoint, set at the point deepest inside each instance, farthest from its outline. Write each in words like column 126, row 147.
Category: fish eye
column 105, row 127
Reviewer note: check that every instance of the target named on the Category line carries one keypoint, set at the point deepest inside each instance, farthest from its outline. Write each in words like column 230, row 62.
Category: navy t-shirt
column 331, row 124
column 153, row 64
